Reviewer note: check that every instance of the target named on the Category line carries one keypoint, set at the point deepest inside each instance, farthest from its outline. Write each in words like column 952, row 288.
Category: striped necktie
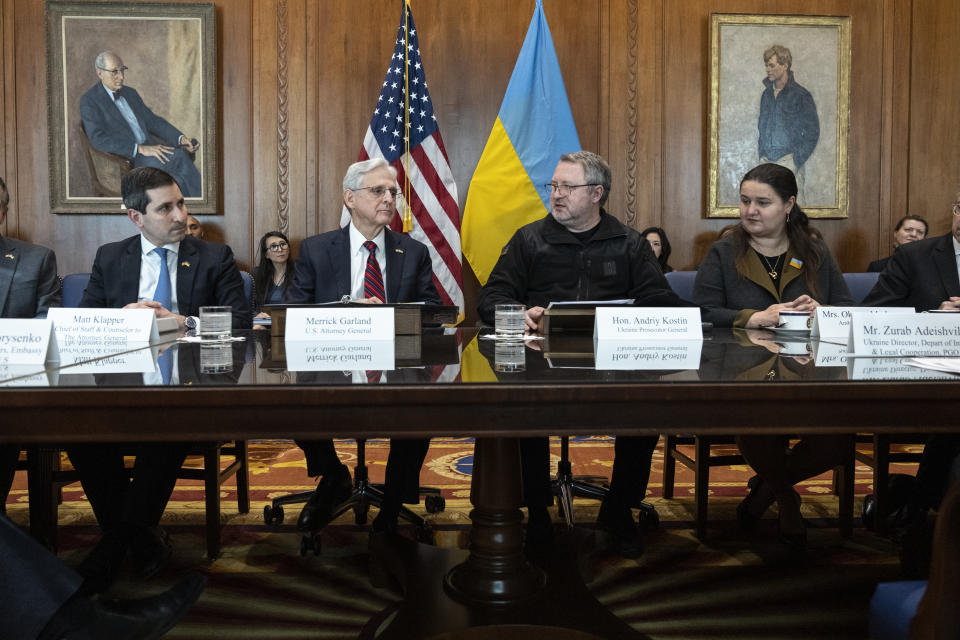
column 372, row 277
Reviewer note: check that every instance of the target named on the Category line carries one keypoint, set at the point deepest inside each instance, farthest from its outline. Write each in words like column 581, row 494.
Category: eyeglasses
column 565, row 189
column 277, row 246
column 378, row 191
column 118, row 71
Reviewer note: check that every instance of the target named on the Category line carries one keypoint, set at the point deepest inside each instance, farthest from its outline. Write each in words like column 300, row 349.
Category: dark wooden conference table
column 447, row 384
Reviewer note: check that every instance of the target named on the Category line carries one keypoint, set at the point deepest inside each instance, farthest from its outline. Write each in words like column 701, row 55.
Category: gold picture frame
column 170, row 87
column 746, row 121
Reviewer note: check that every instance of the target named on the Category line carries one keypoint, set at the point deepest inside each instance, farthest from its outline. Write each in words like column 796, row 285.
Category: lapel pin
column 399, row 250
column 185, row 264
column 8, row 255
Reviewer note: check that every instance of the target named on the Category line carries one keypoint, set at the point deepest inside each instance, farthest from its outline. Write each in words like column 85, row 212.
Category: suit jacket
column 920, row 274
column 323, row 269
column 206, row 275
column 878, row 265
column 28, row 280
column 729, row 299
column 108, row 130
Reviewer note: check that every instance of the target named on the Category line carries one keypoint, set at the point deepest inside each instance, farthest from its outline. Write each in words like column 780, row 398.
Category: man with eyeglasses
column 364, row 262
column 117, row 121
column 580, row 252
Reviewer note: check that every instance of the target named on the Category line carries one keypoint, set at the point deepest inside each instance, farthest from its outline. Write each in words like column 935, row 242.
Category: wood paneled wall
column 299, row 78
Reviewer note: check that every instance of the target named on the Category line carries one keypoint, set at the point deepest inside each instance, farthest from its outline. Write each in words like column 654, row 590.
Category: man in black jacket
column 580, row 252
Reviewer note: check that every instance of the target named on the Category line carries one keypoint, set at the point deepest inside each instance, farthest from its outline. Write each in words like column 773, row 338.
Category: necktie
column 372, row 277
column 165, row 363
column 163, row 292
column 373, row 376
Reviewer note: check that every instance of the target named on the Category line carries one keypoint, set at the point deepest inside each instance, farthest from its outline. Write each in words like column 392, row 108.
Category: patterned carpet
column 730, row 586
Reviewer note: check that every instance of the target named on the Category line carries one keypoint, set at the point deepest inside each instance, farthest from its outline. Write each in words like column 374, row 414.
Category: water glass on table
column 215, row 323
column 510, row 320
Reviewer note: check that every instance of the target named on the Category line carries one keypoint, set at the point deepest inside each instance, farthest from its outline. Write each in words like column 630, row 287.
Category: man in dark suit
column 909, row 229
column 924, row 275
column 163, row 270
column 355, row 262
column 39, row 598
column 28, row 287
column 117, row 121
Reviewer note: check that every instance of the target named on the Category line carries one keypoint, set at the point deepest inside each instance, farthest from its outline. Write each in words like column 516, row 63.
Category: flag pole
column 407, row 214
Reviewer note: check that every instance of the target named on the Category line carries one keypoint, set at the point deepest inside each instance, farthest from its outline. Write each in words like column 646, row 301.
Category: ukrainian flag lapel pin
column 399, row 250
column 9, row 256
column 796, row 264
column 185, row 264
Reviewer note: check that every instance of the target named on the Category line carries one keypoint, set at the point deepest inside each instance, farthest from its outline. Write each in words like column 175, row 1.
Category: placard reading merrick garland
column 647, row 354
column 356, row 324
column 834, row 322
column 341, row 355
column 901, row 335
column 647, row 323
column 27, row 342
column 108, row 328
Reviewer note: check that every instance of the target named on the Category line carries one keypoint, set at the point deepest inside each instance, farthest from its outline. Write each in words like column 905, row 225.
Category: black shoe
column 143, row 619
column 386, row 521
column 749, row 507
column 100, row 568
column 151, row 549
column 333, row 489
column 539, row 527
column 623, row 537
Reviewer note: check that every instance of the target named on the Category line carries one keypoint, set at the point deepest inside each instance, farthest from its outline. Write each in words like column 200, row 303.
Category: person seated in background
column 368, row 263
column 924, row 275
column 273, row 275
column 28, row 287
column 769, row 264
column 657, row 238
column 160, row 269
column 580, row 252
column 194, row 228
column 909, row 229
column 40, row 598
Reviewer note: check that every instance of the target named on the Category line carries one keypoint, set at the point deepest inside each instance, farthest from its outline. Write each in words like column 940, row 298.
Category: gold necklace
column 772, row 268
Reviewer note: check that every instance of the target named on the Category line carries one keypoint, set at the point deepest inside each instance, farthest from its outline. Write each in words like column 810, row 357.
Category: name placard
column 339, row 355
column 901, row 335
column 648, row 354
column 27, row 342
column 834, row 322
column 355, row 324
column 891, row 369
column 111, row 328
column 93, row 359
column 647, row 323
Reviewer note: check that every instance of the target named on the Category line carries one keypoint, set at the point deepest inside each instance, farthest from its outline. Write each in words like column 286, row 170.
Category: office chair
column 365, row 494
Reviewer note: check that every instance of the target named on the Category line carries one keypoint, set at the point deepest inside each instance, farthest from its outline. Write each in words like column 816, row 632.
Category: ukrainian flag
column 533, row 129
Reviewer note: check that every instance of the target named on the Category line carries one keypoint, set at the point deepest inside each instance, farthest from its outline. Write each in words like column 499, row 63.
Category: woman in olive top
column 769, row 264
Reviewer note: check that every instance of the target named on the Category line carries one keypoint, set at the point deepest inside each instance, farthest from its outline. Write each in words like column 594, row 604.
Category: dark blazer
column 28, row 279
column 108, row 130
column 729, row 299
column 920, row 274
column 323, row 269
column 878, row 265
column 206, row 275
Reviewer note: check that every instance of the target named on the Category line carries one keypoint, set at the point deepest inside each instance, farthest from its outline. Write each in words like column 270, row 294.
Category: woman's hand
column 770, row 317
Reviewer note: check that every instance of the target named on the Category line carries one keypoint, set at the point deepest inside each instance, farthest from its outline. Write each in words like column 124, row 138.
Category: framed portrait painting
column 780, row 92
column 130, row 84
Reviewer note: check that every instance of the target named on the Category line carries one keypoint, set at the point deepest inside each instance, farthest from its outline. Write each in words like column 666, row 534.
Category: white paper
column 834, row 322
column 27, row 342
column 900, row 335
column 110, row 328
column 360, row 323
column 647, row 323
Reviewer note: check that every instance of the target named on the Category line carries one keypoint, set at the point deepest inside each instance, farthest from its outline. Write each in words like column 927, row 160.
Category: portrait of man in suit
column 116, row 120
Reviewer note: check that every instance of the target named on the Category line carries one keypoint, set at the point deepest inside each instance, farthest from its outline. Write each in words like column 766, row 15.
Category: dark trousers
column 402, row 476
column 628, row 484
column 119, row 500
column 34, row 584
column 9, row 453
column 934, row 470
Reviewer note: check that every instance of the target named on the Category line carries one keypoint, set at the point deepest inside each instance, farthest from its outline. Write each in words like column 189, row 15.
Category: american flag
column 423, row 175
